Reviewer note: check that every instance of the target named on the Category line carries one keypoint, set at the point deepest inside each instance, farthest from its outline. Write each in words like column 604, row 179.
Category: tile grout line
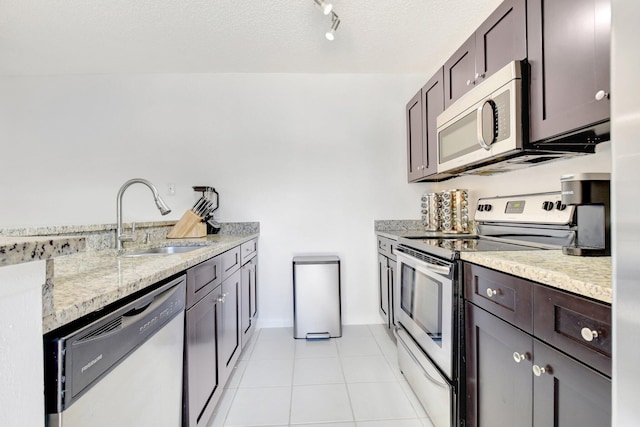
column 346, row 386
column 235, row 391
column 293, row 373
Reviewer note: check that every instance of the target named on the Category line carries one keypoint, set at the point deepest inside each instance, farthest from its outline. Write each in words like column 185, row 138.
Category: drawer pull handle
column 492, row 292
column 588, row 334
column 519, row 357
column 539, row 370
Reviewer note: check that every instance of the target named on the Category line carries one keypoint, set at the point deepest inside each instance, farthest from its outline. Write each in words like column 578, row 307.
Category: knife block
column 190, row 225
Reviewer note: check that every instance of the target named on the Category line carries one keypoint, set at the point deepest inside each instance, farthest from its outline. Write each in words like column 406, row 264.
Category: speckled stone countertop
column 16, row 250
column 586, row 276
column 86, row 282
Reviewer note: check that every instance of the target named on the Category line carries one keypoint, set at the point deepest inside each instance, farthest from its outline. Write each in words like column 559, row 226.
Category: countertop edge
column 16, row 250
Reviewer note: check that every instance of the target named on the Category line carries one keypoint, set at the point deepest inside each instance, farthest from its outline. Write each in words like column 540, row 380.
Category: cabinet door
column 245, row 303
column 499, row 389
column 203, row 380
column 383, row 286
column 254, row 290
column 248, row 310
column 392, row 293
column 459, row 72
column 568, row 47
column 568, row 394
column 414, row 137
column 502, row 38
column 230, row 328
column 432, row 106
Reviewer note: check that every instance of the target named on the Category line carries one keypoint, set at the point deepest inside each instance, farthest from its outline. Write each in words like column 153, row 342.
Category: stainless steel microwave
column 486, row 130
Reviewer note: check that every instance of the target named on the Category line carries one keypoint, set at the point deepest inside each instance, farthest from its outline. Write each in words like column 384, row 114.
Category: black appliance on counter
column 590, row 194
column 213, row 227
column 428, row 297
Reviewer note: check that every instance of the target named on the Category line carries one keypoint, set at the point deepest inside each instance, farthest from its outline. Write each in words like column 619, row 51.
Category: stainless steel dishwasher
column 123, row 369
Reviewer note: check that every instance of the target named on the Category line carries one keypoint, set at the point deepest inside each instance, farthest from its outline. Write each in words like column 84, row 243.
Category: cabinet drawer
column 248, row 250
column 230, row 262
column 387, row 247
column 203, row 278
column 580, row 327
column 508, row 297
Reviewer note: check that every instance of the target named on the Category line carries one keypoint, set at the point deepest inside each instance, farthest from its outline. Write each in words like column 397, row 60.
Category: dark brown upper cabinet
column 422, row 149
column 414, row 137
column 500, row 39
column 568, row 46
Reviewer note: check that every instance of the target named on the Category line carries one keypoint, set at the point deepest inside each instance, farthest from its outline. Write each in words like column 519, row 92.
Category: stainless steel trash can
column 316, row 297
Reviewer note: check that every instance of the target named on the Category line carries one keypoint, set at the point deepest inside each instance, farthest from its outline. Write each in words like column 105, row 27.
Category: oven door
column 424, row 305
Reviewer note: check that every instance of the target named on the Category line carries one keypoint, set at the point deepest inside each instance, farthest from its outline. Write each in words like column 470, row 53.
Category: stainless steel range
column 428, row 295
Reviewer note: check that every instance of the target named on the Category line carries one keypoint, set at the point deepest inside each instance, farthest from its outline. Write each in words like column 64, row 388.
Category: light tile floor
column 352, row 381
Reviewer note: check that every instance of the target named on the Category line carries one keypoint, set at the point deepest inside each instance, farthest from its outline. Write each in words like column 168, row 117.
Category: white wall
column 314, row 158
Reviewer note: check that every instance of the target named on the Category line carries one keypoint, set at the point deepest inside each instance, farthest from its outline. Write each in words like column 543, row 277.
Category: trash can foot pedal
column 318, row 336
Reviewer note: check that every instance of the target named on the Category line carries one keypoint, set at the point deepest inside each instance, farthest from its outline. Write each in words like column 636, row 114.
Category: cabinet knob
column 492, row 292
column 539, row 370
column 600, row 95
column 479, row 76
column 588, row 334
column 470, row 82
column 519, row 357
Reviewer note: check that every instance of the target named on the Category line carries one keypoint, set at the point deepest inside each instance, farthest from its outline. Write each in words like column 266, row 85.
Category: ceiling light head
column 335, row 23
column 325, row 7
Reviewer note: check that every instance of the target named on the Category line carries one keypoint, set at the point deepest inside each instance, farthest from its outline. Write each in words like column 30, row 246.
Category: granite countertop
column 86, row 282
column 586, row 276
column 590, row 277
column 16, row 250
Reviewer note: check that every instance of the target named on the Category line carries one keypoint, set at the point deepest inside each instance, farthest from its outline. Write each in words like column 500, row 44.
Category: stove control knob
column 488, row 207
column 547, row 206
column 560, row 206
column 480, row 208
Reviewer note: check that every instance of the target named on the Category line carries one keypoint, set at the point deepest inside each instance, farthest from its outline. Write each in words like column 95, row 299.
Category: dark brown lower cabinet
column 568, row 394
column 513, row 379
column 499, row 390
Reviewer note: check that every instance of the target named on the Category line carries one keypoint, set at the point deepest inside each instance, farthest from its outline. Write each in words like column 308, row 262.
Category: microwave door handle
column 485, row 124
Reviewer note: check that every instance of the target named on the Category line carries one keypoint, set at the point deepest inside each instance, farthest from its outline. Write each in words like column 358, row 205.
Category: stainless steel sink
column 165, row 250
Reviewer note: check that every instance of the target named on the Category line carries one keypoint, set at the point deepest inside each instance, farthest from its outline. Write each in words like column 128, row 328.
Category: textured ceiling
column 231, row 36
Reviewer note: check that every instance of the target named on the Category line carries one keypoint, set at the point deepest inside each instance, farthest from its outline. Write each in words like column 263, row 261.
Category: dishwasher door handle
column 146, row 306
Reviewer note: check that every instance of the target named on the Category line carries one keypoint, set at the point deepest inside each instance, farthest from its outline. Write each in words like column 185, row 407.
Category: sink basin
column 165, row 250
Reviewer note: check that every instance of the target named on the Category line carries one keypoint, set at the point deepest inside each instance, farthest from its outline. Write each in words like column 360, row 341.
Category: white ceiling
column 231, row 36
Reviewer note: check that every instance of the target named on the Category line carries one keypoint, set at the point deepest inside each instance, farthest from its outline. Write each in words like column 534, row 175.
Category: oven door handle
column 440, row 269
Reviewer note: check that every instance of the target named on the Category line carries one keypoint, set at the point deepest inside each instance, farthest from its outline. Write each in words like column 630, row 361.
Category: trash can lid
column 326, row 259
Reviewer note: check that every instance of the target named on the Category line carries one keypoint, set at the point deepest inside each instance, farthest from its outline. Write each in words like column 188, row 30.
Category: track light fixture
column 335, row 22
column 326, row 7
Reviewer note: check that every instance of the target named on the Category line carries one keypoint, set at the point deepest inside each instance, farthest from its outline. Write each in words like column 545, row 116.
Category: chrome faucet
column 162, row 206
